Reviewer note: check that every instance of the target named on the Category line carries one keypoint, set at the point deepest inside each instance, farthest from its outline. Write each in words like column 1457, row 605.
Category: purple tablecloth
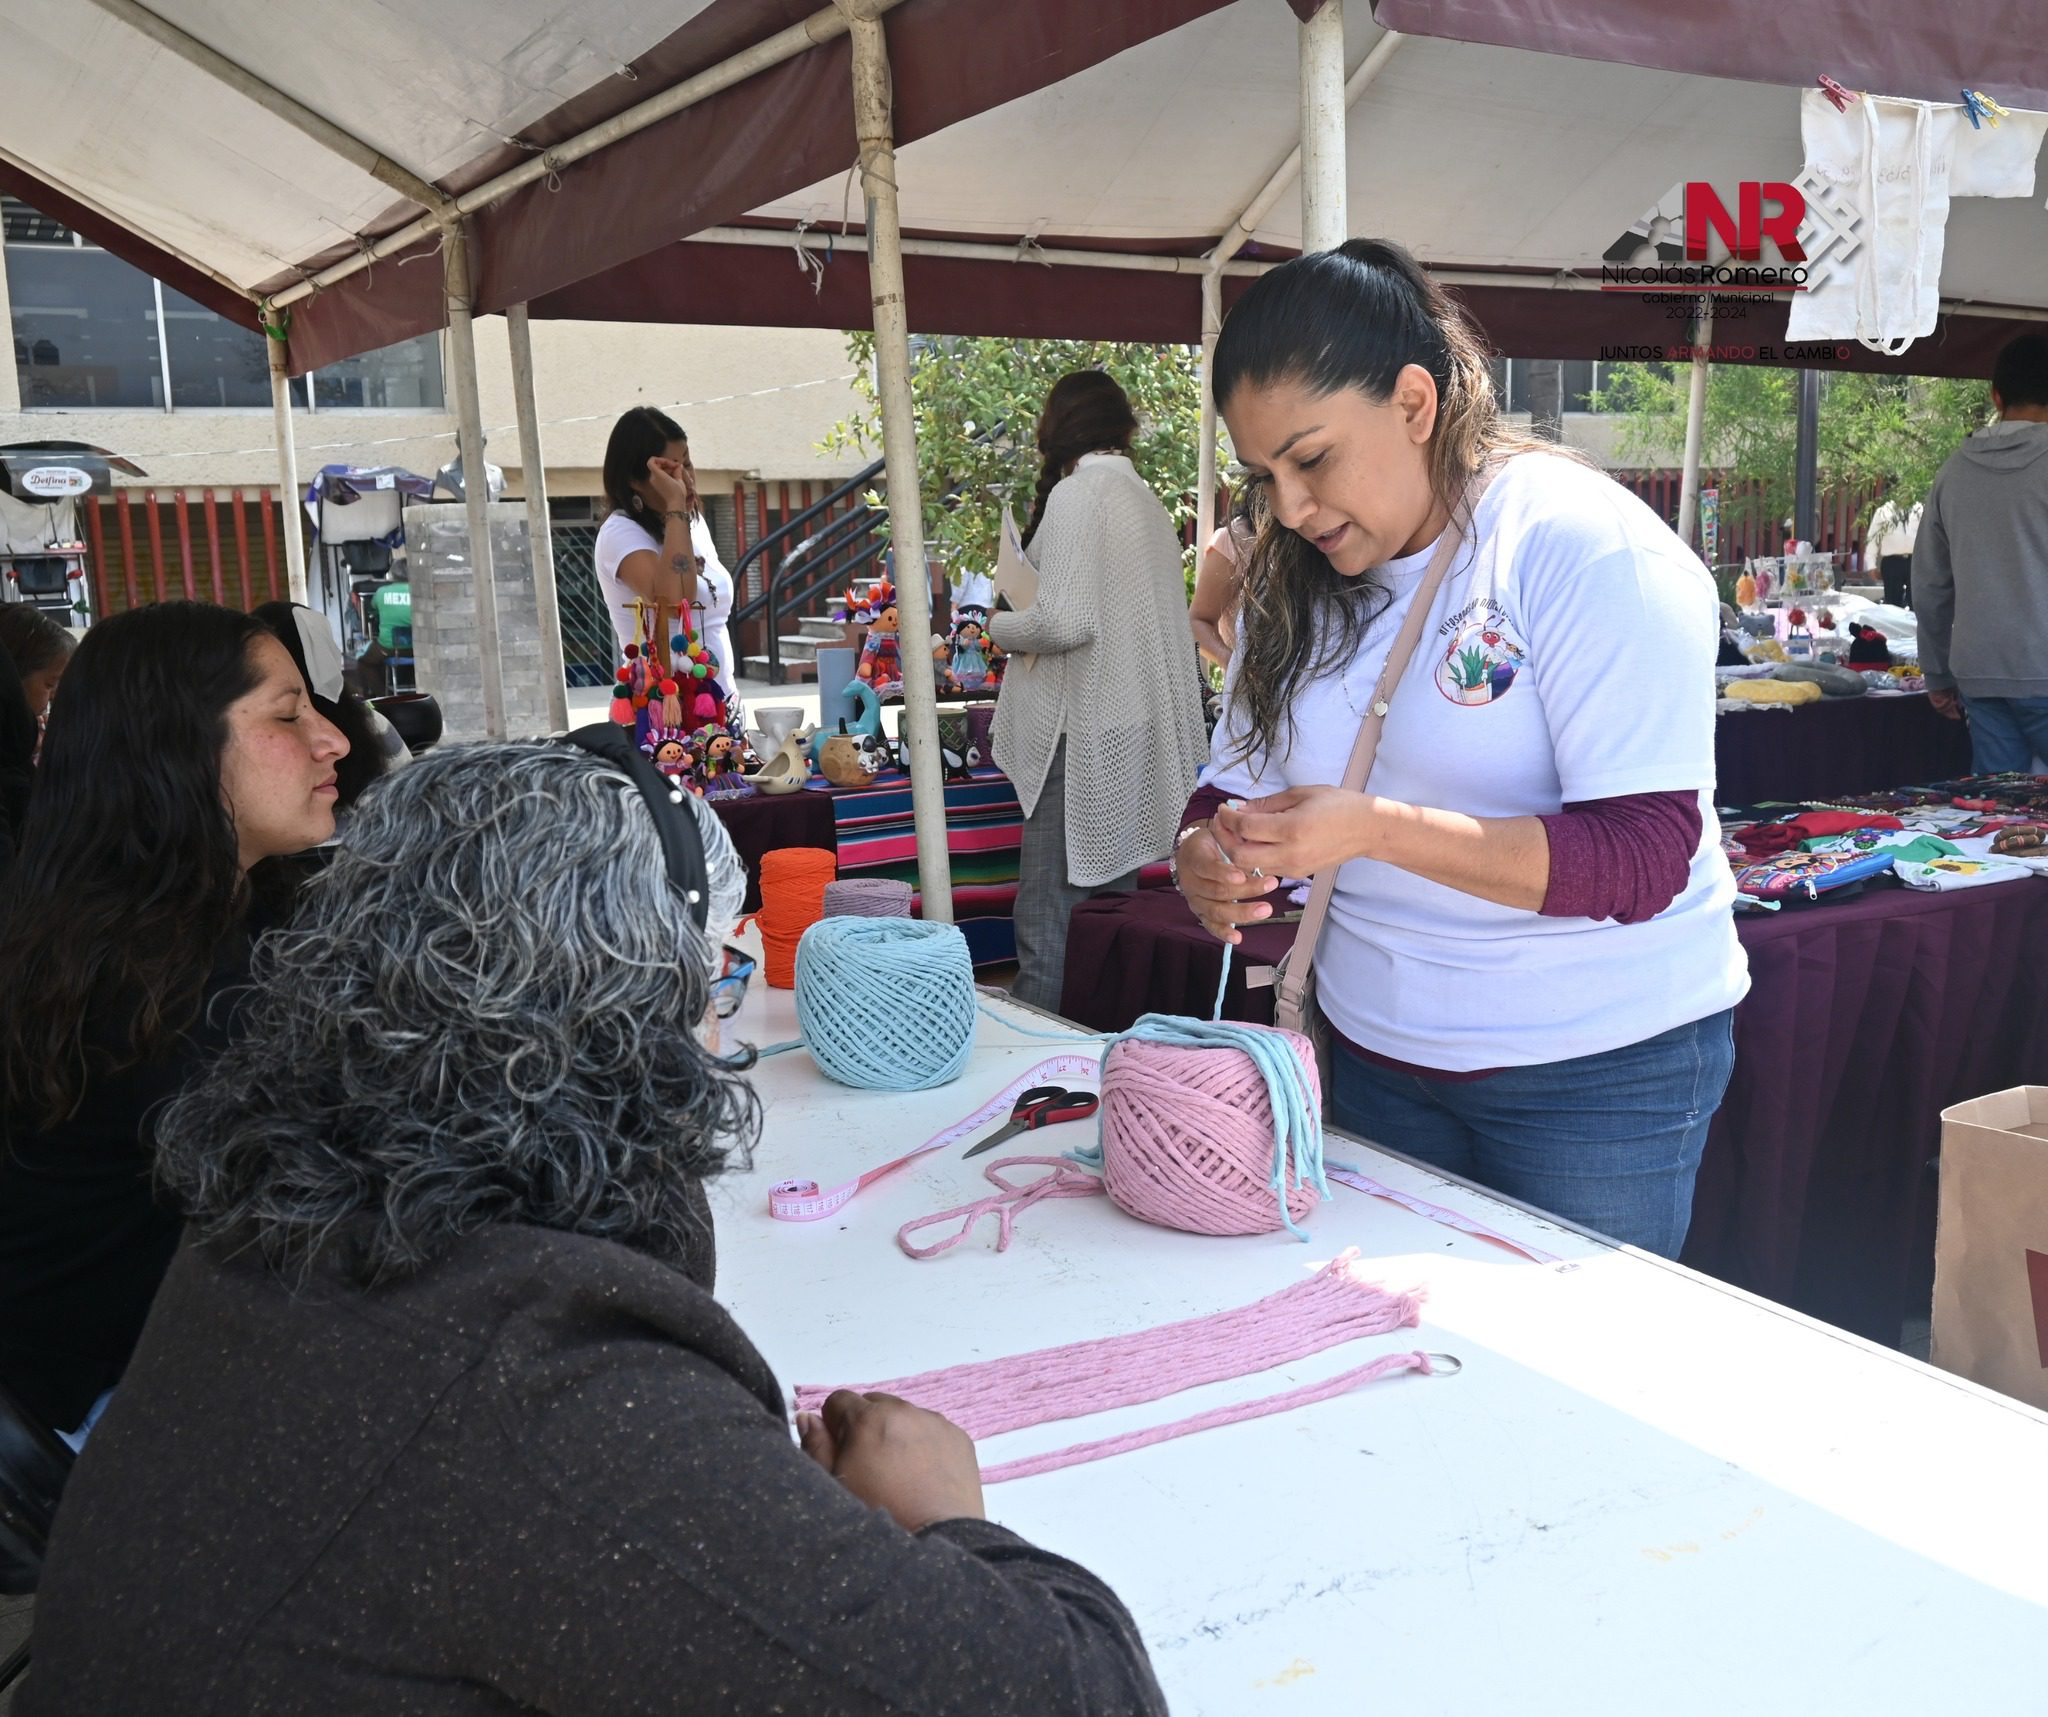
column 767, row 822
column 1840, row 745
column 1866, row 1019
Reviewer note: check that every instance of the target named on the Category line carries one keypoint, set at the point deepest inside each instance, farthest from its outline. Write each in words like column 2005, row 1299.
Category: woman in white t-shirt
column 654, row 546
column 1530, row 965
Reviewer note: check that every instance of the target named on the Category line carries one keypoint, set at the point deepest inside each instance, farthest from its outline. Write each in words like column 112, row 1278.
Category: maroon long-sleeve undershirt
column 1625, row 859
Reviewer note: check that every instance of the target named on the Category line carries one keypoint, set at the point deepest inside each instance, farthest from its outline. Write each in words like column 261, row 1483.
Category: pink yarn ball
column 1187, row 1137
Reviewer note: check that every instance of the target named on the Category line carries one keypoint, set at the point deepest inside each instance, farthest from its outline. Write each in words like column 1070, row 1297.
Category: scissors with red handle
column 1041, row 1106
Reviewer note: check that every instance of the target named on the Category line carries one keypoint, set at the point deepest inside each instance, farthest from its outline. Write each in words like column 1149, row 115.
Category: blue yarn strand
column 1050, row 1036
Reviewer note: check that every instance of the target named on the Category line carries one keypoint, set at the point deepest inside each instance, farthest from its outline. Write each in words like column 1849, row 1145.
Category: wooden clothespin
column 1837, row 94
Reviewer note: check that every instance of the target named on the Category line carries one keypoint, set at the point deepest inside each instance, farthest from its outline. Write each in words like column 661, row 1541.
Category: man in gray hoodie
column 1980, row 571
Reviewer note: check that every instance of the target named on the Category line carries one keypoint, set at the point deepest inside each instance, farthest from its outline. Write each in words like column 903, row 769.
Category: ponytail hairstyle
column 641, row 434
column 1353, row 317
column 1086, row 412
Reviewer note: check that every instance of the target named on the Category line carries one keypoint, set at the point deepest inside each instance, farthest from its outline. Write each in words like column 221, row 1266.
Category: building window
column 398, row 378
column 1577, row 389
column 1580, row 380
column 92, row 331
column 214, row 363
column 85, row 329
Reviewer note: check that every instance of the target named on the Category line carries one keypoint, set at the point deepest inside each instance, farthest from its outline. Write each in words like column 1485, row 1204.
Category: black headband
column 682, row 844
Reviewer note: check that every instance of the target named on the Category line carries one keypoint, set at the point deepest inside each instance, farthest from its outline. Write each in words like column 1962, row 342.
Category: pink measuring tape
column 806, row 1201
column 1437, row 1213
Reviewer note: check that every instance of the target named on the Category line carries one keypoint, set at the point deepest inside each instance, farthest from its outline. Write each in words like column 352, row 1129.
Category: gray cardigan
column 547, row 1474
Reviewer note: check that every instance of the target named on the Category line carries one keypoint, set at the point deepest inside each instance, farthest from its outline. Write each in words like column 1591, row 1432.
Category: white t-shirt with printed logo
column 1568, row 656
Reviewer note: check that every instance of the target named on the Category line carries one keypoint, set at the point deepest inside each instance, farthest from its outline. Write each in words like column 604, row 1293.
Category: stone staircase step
column 793, row 672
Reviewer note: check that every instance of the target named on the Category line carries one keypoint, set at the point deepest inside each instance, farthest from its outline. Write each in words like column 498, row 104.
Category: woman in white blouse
column 1099, row 723
column 654, row 546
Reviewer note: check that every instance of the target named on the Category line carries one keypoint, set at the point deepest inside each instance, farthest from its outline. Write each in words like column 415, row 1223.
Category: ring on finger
column 1256, row 874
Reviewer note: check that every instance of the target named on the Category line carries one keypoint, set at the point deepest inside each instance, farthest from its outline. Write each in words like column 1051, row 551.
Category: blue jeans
column 1610, row 1141
column 2007, row 734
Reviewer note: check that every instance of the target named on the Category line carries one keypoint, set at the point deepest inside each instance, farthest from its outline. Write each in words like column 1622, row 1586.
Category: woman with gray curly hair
column 435, row 1411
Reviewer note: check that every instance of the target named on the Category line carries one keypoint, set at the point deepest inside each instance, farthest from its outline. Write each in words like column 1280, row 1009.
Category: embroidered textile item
column 1945, row 875
column 985, row 1399
column 1808, row 875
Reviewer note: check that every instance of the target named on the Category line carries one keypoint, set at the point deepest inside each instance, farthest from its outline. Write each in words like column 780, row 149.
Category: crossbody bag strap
column 1293, row 974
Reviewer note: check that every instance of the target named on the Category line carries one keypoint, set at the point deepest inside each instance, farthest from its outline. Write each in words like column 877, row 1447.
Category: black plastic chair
column 34, row 1463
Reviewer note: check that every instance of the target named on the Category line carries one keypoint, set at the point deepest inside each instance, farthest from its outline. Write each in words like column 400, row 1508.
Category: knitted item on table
column 1773, row 692
column 988, row 1397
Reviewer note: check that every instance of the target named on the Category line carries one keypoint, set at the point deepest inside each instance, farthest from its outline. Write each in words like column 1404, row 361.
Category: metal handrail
column 809, row 574
column 859, row 481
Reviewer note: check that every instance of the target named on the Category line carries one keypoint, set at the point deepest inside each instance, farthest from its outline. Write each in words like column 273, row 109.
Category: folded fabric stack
column 1762, row 840
column 1828, row 847
column 1941, row 875
column 1782, row 694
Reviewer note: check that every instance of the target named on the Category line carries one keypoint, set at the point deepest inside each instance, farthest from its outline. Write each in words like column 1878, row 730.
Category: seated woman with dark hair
column 436, row 1411
column 182, row 754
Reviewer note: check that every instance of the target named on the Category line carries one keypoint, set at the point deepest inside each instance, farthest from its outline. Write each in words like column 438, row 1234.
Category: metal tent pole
column 287, row 463
column 872, row 124
column 1805, row 502
column 1323, row 214
column 1205, row 480
column 1220, row 261
column 1695, row 425
column 458, row 278
column 540, row 535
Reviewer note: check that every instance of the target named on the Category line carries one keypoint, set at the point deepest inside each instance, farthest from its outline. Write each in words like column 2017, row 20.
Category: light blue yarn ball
column 886, row 1004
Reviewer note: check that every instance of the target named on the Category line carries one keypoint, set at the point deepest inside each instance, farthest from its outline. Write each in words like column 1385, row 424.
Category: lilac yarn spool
column 867, row 897
column 1188, row 1137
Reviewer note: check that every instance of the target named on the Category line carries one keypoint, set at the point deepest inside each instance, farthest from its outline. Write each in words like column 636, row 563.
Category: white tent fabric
column 114, row 117
column 1474, row 157
column 1113, row 125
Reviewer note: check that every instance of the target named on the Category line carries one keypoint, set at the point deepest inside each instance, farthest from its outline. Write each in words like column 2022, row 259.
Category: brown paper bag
column 1991, row 1245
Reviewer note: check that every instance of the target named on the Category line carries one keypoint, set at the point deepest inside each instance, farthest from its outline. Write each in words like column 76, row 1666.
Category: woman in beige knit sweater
column 1100, row 719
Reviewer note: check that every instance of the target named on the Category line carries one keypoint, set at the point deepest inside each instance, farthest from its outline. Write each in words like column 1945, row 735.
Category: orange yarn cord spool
column 793, row 883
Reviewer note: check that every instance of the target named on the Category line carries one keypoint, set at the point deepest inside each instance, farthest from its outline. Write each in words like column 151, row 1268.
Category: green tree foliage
column 977, row 404
column 1893, row 431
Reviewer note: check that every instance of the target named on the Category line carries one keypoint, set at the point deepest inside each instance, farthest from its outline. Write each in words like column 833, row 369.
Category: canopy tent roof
column 1138, row 128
